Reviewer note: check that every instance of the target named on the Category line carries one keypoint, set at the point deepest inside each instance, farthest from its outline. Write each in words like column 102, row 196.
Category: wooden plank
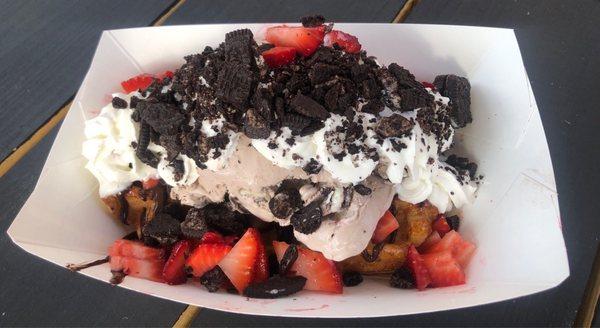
column 560, row 42
column 246, row 11
column 45, row 50
column 34, row 292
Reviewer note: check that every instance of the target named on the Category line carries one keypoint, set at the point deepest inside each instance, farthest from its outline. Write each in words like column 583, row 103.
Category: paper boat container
column 515, row 220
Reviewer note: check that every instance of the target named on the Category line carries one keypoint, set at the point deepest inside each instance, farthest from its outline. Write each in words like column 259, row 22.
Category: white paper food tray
column 515, row 220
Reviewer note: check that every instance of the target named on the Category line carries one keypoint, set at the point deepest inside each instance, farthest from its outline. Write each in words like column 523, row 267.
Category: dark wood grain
column 34, row 292
column 45, row 49
column 244, row 11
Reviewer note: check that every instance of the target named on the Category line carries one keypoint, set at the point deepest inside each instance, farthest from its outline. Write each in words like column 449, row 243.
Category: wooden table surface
column 46, row 48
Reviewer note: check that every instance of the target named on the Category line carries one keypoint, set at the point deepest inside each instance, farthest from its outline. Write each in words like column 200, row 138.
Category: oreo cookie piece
column 141, row 151
column 394, row 126
column 362, row 189
column 374, row 106
column 238, row 47
column 287, row 260
column 275, row 287
column 312, row 167
column 404, row 78
column 255, row 125
column 308, row 107
column 224, row 220
column 453, row 222
column 458, row 89
column 370, row 89
column 119, row 103
column 308, row 219
column 352, row 278
column 312, row 21
column 332, row 96
column 285, row 202
column 411, row 99
column 163, row 230
column 402, row 278
column 235, row 83
column 321, row 73
column 213, row 279
column 295, row 122
column 194, row 226
column 164, row 118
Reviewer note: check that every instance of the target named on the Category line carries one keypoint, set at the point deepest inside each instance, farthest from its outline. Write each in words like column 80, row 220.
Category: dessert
column 295, row 163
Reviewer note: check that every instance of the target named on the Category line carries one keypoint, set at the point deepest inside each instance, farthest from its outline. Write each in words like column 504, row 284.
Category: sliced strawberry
column 279, row 56
column 321, row 274
column 346, row 41
column 443, row 269
column 238, row 265
column 386, row 225
column 460, row 249
column 205, row 257
column 261, row 267
column 166, row 74
column 211, row 237
column 431, row 240
column 441, row 225
column 174, row 272
column 416, row 265
column 135, row 249
column 150, row 183
column 140, row 268
column 428, row 85
column 304, row 39
column 135, row 83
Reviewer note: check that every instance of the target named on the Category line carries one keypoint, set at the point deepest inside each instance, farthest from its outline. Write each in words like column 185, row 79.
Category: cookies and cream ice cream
column 322, row 145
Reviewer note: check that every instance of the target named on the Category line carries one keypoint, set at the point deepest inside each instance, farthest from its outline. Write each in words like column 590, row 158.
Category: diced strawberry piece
column 386, row 225
column 443, row 269
column 304, row 39
column 431, row 240
column 460, row 249
column 174, row 271
column 211, row 237
column 205, row 257
column 135, row 249
column 140, row 268
column 418, row 268
column 150, row 183
column 238, row 265
column 321, row 274
column 428, row 85
column 441, row 225
column 346, row 41
column 166, row 74
column 135, row 83
column 261, row 267
column 279, row 56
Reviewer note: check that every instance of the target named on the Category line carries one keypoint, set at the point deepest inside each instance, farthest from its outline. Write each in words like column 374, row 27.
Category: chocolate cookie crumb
column 213, row 279
column 275, row 287
column 289, row 257
column 394, row 126
column 312, row 167
column 308, row 107
column 362, row 189
column 308, row 219
column 402, row 278
column 194, row 226
column 458, row 89
column 163, row 230
column 119, row 103
column 453, row 222
column 352, row 278
column 312, row 21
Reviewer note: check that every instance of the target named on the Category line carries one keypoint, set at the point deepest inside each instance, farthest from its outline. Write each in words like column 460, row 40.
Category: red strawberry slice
column 443, row 269
column 205, row 257
column 135, row 83
column 304, row 39
column 386, row 225
column 441, row 225
column 238, row 265
column 150, row 183
column 431, row 240
column 346, row 41
column 145, row 269
column 279, row 56
column 321, row 274
column 211, row 237
column 261, row 267
column 136, row 259
column 135, row 249
column 174, row 272
column 418, row 268
column 166, row 74
column 460, row 249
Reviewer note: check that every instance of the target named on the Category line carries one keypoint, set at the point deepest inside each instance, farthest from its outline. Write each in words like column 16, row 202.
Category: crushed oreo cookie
column 453, row 222
column 163, row 230
column 308, row 107
column 463, row 166
column 255, row 125
column 223, row 219
column 119, row 103
column 362, row 189
column 308, row 219
column 352, row 278
column 285, row 202
column 276, row 286
column 213, row 279
column 194, row 226
column 394, row 126
column 402, row 278
column 458, row 89
column 312, row 21
column 289, row 257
